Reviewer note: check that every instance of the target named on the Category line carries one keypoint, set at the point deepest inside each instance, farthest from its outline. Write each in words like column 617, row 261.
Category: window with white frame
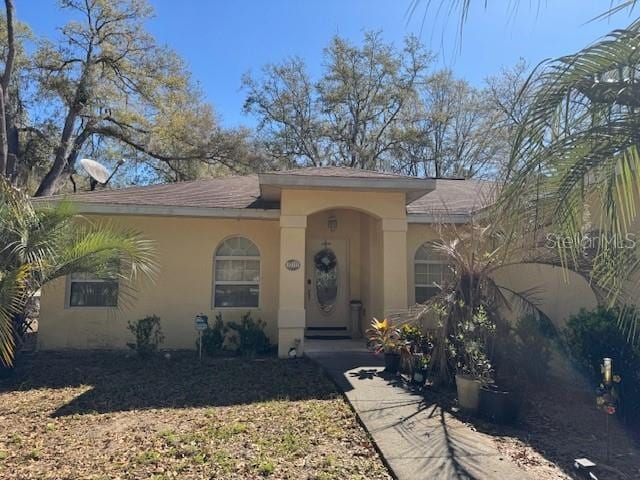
column 86, row 290
column 430, row 272
column 236, row 274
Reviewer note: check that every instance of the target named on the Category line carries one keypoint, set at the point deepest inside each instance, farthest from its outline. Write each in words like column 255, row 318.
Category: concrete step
column 326, row 333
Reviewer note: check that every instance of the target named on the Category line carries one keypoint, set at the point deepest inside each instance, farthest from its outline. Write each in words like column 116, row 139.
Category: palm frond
column 40, row 245
column 11, row 296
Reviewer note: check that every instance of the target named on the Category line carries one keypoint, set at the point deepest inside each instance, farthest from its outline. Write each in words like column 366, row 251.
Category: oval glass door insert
column 326, row 279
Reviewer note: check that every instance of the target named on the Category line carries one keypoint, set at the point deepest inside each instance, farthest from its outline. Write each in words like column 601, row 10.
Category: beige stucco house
column 298, row 249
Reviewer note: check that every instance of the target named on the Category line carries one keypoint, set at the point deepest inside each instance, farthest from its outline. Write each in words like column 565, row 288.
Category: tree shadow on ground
column 117, row 382
column 558, row 423
column 562, row 423
column 433, row 441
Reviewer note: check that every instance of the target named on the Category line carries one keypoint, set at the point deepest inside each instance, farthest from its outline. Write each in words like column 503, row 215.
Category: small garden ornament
column 607, row 396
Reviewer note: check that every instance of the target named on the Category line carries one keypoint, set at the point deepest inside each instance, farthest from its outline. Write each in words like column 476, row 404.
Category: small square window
column 86, row 290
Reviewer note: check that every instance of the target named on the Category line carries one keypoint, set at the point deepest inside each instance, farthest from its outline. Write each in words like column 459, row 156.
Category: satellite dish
column 95, row 170
column 98, row 174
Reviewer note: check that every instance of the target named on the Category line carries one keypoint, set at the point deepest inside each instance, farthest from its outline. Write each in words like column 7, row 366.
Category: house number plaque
column 292, row 265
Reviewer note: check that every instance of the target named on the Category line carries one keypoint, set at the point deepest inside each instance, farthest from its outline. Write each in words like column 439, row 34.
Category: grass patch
column 148, row 457
column 266, row 468
column 34, row 454
column 225, row 432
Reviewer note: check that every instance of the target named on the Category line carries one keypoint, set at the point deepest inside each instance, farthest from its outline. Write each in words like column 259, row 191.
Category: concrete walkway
column 418, row 440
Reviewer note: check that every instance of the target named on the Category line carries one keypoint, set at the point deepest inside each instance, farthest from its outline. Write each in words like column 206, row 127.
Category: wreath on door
column 325, row 260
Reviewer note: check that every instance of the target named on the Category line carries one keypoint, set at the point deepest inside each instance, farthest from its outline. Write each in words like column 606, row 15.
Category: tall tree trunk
column 13, row 149
column 8, row 158
column 48, row 184
column 3, row 136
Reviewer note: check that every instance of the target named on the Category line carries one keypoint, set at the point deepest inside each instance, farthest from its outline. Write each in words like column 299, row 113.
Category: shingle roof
column 224, row 192
column 455, row 197
column 340, row 172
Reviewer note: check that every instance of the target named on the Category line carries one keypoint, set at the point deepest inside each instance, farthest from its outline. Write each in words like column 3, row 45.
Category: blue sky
column 222, row 39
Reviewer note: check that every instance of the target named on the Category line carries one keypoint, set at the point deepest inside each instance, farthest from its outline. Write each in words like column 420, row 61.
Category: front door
column 327, row 289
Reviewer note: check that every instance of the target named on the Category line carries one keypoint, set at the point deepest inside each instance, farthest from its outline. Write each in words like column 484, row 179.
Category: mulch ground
column 101, row 415
column 559, row 423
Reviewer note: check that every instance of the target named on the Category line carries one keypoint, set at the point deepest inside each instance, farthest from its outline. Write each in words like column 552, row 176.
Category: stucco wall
column 183, row 287
column 559, row 294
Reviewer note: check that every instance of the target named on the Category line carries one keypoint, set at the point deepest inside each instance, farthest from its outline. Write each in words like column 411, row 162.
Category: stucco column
column 394, row 261
column 291, row 313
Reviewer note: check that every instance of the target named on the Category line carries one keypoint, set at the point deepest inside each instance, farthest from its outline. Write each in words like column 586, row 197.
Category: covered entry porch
column 341, row 240
column 343, row 277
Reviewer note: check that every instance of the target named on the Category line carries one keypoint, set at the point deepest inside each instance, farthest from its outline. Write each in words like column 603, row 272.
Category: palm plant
column 40, row 245
column 574, row 168
column 473, row 302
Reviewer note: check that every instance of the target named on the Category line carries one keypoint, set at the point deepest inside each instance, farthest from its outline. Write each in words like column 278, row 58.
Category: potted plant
column 382, row 337
column 415, row 349
column 473, row 368
column 420, row 369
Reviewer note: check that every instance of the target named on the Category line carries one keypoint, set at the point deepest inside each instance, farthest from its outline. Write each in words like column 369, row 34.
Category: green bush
column 535, row 345
column 251, row 337
column 213, row 337
column 148, row 334
column 592, row 335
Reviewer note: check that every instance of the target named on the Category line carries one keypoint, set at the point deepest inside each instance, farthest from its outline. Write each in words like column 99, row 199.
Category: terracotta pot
column 468, row 392
column 391, row 362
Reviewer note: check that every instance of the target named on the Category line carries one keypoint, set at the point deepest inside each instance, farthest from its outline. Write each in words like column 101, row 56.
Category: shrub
column 592, row 335
column 526, row 349
column 213, row 337
column 148, row 335
column 251, row 337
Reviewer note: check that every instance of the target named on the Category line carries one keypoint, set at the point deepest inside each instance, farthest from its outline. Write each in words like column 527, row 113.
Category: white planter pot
column 468, row 392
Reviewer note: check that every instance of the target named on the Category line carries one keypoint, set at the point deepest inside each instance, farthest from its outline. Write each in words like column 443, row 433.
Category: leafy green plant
column 213, row 337
column 417, row 340
column 536, row 336
column 251, row 337
column 415, row 348
column 148, row 334
column 469, row 343
column 469, row 306
column 524, row 351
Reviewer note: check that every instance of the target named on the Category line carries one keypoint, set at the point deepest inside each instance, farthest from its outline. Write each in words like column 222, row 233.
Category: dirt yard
column 104, row 415
column 560, row 423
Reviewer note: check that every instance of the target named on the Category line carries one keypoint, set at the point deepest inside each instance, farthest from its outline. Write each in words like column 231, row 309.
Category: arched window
column 236, row 274
column 430, row 270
